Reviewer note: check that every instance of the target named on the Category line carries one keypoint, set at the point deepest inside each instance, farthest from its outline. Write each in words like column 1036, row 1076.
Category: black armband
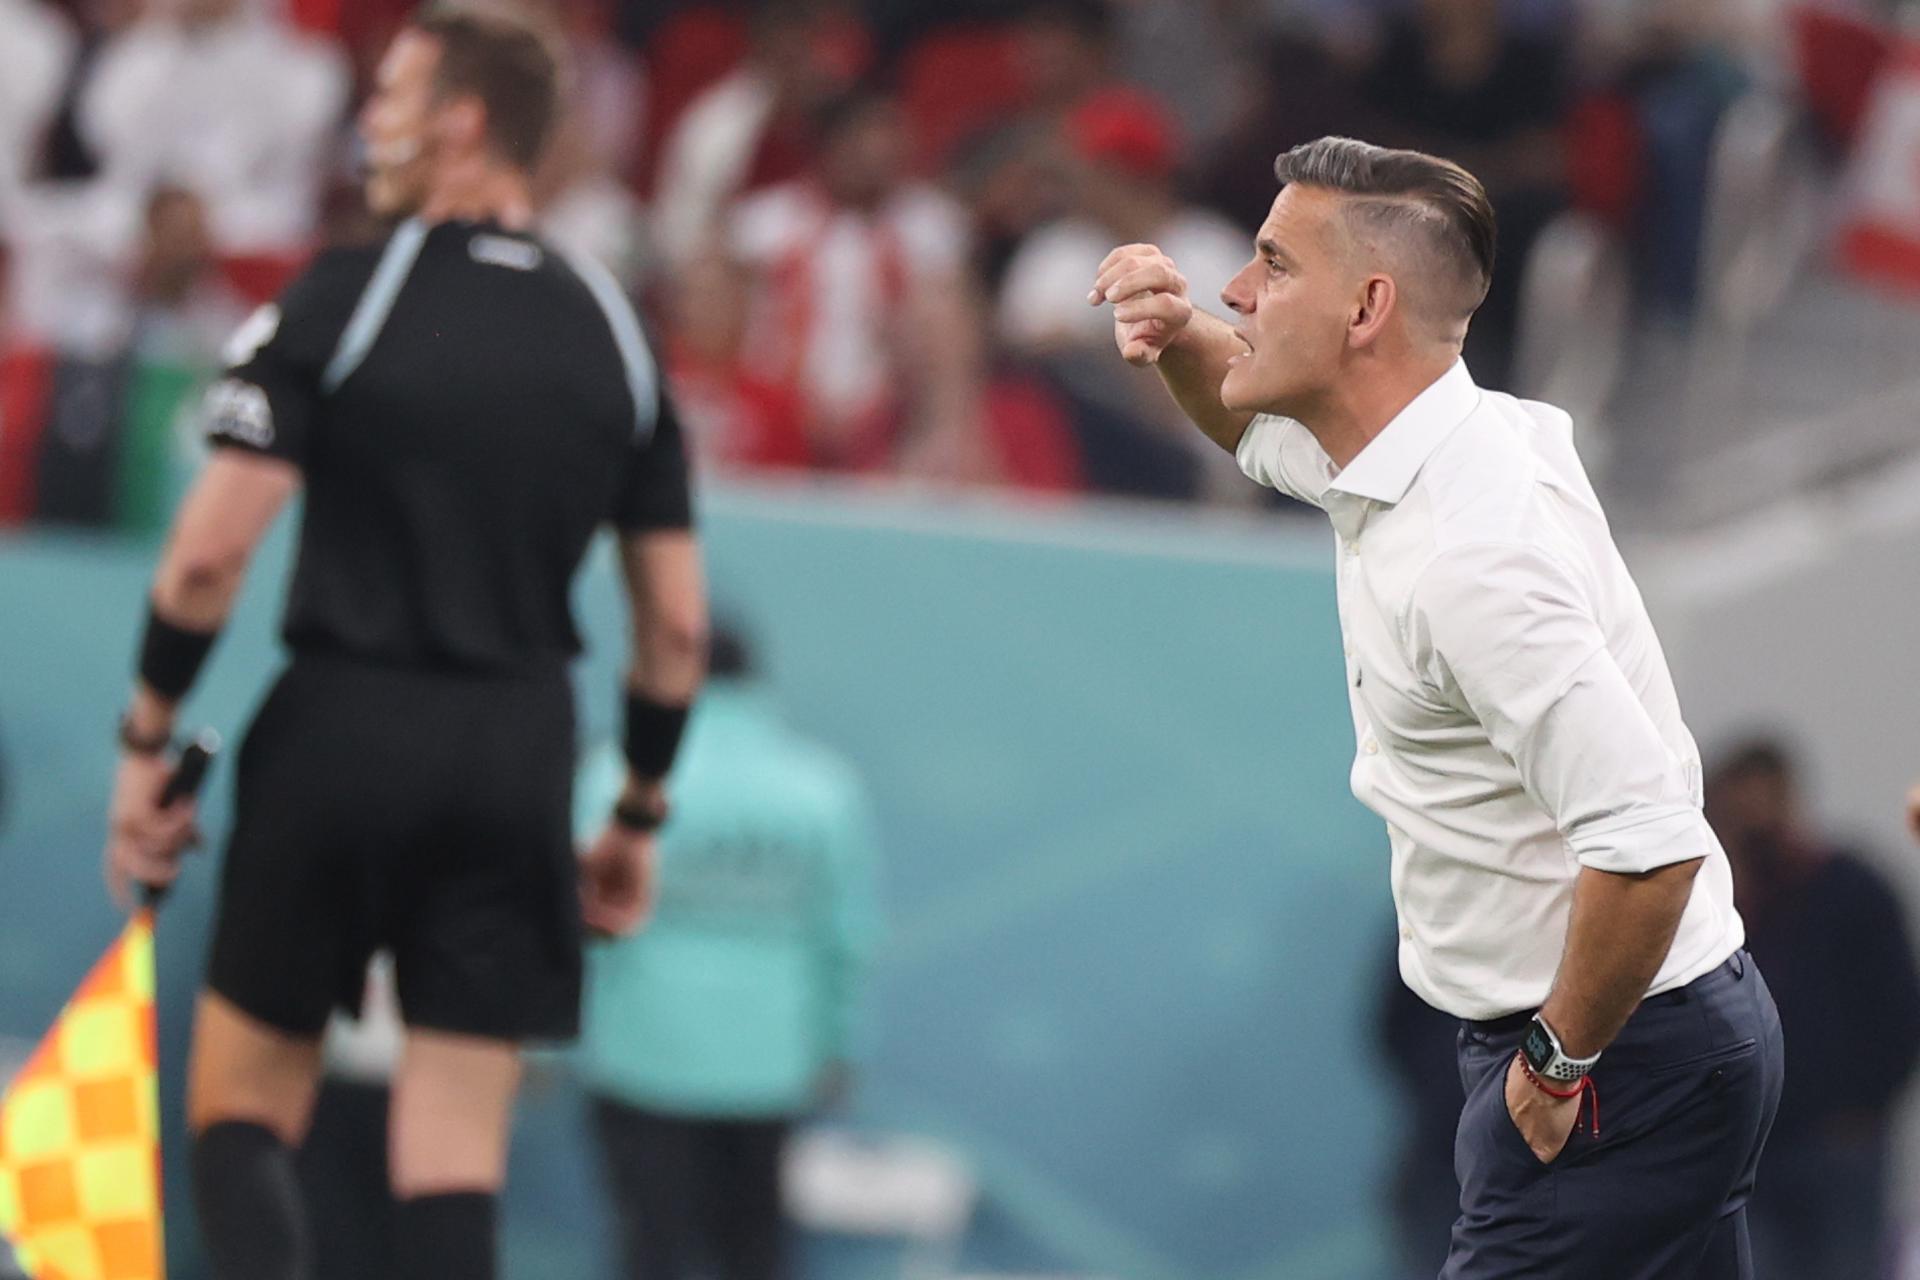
column 171, row 656
column 653, row 734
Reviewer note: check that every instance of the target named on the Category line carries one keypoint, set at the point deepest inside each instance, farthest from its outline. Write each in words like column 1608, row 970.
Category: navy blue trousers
column 1687, row 1094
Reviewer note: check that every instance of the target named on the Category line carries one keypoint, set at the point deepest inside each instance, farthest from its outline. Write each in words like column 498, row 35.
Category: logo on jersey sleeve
column 502, row 251
column 255, row 332
column 238, row 411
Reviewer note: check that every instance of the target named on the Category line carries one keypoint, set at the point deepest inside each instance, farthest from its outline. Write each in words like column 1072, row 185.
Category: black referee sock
column 445, row 1237
column 248, row 1198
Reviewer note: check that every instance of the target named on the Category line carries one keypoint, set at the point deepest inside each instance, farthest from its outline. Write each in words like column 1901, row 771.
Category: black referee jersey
column 467, row 405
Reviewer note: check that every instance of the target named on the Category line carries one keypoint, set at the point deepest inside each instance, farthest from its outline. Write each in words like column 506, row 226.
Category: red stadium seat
column 26, row 380
column 1839, row 57
column 1605, row 159
column 956, row 82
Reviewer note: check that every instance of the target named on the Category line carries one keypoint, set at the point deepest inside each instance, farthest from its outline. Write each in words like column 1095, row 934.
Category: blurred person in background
column 861, row 310
column 1461, row 78
column 37, row 46
column 1124, row 149
column 734, row 1014
column 1065, row 51
column 1678, row 64
column 1833, row 936
column 584, row 202
column 1516, row 726
column 463, row 410
column 752, row 128
column 185, row 311
column 226, row 100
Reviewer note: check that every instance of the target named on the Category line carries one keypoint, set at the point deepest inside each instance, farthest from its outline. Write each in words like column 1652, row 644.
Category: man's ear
column 463, row 123
column 1377, row 301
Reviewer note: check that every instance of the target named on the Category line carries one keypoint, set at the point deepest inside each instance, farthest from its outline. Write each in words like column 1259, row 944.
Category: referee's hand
column 1913, row 811
column 1149, row 297
column 145, row 841
column 616, row 882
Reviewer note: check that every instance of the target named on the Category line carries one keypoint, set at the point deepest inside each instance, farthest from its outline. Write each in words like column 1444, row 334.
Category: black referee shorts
column 423, row 813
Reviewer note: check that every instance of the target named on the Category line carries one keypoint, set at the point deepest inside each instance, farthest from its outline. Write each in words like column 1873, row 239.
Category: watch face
column 1537, row 1046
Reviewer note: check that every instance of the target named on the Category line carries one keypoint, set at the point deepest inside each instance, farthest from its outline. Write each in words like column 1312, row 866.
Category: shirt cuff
column 1645, row 842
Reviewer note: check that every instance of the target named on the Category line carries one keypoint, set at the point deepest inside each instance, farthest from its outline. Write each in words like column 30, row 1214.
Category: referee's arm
column 229, row 510
column 666, row 591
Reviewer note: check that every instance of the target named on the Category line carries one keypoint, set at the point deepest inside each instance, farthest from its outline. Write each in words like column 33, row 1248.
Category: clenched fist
column 1149, row 297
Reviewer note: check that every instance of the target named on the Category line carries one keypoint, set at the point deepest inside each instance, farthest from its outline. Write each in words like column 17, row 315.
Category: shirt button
column 1371, row 747
column 1406, row 934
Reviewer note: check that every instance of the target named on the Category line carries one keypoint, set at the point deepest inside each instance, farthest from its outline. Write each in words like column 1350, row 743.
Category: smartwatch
column 1545, row 1059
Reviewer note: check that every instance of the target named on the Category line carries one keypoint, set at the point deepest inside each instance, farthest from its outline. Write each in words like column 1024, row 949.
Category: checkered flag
column 80, row 1133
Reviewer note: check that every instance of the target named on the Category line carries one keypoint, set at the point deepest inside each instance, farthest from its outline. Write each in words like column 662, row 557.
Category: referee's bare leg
column 447, row 1149
column 250, row 1092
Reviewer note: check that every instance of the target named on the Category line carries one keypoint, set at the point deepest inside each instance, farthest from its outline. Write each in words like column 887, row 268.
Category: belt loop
column 1739, row 962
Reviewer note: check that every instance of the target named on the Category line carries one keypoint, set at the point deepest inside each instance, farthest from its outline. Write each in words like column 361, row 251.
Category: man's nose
column 1236, row 296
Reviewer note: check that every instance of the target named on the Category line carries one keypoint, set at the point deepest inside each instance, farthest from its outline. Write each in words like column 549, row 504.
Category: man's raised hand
column 1149, row 297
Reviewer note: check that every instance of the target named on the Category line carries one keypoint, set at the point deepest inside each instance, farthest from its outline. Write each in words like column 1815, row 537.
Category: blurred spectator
column 1066, row 51
column 1302, row 86
column 1418, row 1042
column 750, row 129
column 1199, row 58
column 586, row 206
column 732, row 1014
column 185, row 310
column 224, row 100
column 732, row 417
column 1014, row 180
column 37, row 46
column 861, row 314
column 1461, row 79
column 1124, row 149
column 1676, row 66
column 1831, row 936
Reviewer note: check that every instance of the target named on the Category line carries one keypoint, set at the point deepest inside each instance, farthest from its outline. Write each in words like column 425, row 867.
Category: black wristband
column 136, row 744
column 653, row 734
column 639, row 818
column 171, row 656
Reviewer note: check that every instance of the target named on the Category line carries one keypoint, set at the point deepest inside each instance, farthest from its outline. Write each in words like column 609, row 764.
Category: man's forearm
column 1193, row 366
column 1622, row 928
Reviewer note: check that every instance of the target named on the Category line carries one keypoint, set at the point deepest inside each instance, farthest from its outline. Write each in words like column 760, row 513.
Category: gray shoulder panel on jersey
column 370, row 313
column 643, row 379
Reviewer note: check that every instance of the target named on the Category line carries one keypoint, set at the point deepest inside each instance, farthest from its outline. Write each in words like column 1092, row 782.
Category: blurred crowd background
column 863, row 231
column 862, row 235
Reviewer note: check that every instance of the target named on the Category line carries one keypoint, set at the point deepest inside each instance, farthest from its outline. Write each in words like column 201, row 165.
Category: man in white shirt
column 1557, row 886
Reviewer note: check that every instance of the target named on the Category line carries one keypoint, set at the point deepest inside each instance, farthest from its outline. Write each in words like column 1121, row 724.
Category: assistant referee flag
column 79, row 1130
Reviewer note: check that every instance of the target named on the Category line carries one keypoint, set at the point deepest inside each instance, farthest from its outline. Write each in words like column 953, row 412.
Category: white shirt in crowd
column 37, row 45
column 1043, row 300
column 243, row 113
column 833, row 284
column 1515, row 717
column 705, row 161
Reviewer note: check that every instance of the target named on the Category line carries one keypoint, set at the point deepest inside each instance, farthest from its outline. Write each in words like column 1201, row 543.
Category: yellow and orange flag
column 80, row 1132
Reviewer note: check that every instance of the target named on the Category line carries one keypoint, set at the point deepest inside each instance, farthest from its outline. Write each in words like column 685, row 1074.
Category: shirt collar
column 1385, row 468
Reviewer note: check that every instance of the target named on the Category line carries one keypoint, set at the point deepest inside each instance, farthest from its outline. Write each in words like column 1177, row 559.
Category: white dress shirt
column 1514, row 714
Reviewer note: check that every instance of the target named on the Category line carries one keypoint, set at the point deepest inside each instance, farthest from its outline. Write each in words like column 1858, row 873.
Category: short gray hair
column 1406, row 192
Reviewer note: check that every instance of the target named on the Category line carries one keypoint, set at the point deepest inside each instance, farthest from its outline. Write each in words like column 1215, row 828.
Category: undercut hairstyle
column 1411, row 196
column 507, row 61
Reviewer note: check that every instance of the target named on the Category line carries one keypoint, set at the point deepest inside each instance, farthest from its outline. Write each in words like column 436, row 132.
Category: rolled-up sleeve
column 1507, row 633
column 1282, row 454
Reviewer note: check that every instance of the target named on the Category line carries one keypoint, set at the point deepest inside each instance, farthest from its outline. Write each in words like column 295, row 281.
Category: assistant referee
column 464, row 408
